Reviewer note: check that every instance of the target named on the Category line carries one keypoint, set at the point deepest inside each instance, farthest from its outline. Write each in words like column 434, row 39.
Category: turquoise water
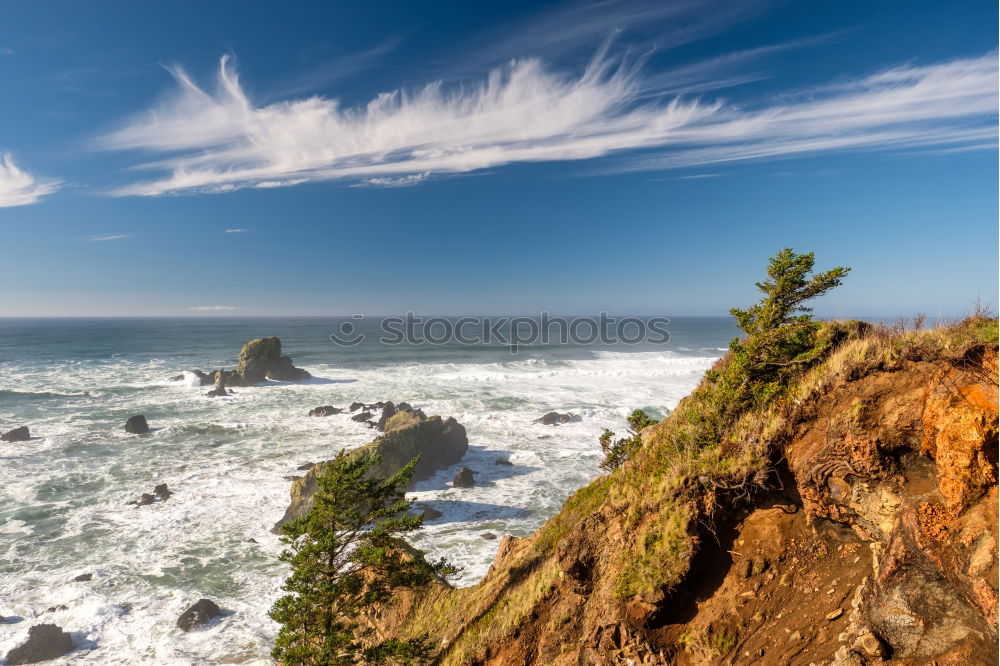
column 64, row 494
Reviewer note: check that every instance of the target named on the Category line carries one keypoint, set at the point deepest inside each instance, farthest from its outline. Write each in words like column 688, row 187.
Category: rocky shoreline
column 405, row 432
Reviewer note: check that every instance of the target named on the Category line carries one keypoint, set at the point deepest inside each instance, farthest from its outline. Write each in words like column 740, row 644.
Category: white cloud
column 219, row 141
column 397, row 181
column 112, row 237
column 211, row 308
column 19, row 187
column 235, row 231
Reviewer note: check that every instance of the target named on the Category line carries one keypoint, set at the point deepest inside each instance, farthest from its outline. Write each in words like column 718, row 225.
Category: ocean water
column 64, row 494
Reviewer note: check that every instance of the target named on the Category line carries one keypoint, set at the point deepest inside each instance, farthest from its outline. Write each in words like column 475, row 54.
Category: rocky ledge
column 439, row 442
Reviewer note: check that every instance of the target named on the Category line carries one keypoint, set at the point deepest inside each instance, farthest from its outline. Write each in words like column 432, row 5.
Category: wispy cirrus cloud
column 19, row 187
column 212, row 308
column 235, row 231
column 110, row 237
column 217, row 141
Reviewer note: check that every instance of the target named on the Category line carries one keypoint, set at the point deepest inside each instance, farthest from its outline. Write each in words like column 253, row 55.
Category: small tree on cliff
column 780, row 332
column 788, row 287
column 347, row 557
column 617, row 451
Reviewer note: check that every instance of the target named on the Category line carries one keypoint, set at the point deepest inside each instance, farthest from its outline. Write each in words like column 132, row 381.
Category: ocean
column 64, row 494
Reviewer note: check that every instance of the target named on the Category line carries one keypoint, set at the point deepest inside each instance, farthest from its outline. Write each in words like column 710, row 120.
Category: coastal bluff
column 851, row 523
column 438, row 442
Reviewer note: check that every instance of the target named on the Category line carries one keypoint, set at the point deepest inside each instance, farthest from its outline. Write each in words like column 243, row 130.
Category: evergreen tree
column 347, row 557
column 780, row 333
column 616, row 452
column 789, row 286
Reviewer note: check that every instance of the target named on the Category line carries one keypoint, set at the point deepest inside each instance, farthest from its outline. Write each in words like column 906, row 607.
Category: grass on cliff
column 717, row 442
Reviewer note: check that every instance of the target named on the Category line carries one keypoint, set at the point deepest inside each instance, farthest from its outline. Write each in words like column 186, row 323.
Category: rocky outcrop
column 862, row 531
column 438, row 442
column 198, row 615
column 45, row 642
column 464, row 478
column 555, row 418
column 16, row 435
column 260, row 360
column 136, row 425
column 389, row 410
column 325, row 410
column 160, row 493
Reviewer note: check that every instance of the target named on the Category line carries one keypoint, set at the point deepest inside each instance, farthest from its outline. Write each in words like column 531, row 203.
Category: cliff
column 853, row 520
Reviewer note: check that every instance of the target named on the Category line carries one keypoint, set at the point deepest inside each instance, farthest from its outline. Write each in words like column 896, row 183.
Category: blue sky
column 251, row 158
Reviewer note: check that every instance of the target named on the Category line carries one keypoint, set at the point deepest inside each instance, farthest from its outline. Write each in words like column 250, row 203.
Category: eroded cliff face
column 869, row 536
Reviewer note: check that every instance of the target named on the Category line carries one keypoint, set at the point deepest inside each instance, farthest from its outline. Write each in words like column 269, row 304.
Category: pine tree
column 347, row 557
column 780, row 331
column 616, row 452
column 789, row 286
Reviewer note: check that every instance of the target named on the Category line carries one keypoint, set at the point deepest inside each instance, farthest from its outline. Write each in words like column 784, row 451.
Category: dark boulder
column 362, row 417
column 45, row 642
column 83, row 578
column 162, row 492
column 440, row 443
column 502, row 461
column 16, row 435
column 325, row 410
column 355, row 406
column 177, row 378
column 555, row 418
column 137, row 425
column 200, row 614
column 219, row 392
column 464, row 478
column 144, row 500
column 429, row 512
column 489, row 536
column 305, row 466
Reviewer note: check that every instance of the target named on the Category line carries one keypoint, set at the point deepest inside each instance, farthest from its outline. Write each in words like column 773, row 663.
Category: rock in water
column 555, row 418
column 137, row 425
column 362, row 417
column 45, row 642
column 83, row 578
column 325, row 410
column 260, row 359
column 162, row 491
column 355, row 406
column 200, row 614
column 144, row 500
column 430, row 513
column 464, row 478
column 439, row 443
column 16, row 435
